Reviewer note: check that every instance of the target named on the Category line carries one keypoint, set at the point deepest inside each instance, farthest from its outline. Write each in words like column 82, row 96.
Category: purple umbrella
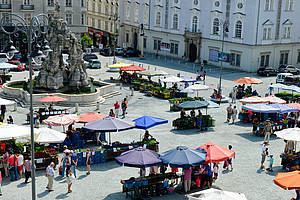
column 139, row 157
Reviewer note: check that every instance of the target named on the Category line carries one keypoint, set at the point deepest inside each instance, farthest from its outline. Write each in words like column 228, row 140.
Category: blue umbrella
column 139, row 157
column 147, row 122
column 187, row 79
column 283, row 108
column 183, row 157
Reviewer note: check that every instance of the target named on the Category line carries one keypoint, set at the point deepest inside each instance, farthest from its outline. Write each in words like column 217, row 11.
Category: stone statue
column 54, row 74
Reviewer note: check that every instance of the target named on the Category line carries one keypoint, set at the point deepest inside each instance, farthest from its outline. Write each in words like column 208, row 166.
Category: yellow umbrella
column 118, row 65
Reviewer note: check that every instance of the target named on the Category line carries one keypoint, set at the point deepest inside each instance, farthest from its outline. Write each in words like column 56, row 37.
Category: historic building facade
column 256, row 33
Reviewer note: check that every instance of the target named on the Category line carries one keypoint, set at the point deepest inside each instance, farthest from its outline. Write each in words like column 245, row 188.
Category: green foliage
column 86, row 40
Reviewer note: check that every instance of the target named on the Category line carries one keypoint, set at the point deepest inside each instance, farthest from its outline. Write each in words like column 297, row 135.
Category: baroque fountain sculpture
column 54, row 74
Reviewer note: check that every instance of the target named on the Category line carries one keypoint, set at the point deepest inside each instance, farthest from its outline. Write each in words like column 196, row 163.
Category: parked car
column 292, row 80
column 119, row 52
column 35, row 66
column 131, row 53
column 17, row 56
column 89, row 56
column 106, row 52
column 94, row 64
column 20, row 65
column 288, row 69
column 281, row 76
column 3, row 57
column 266, row 71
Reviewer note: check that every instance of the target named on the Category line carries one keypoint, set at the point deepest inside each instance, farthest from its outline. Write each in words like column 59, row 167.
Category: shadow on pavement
column 43, row 194
column 109, row 165
column 62, row 196
column 249, row 136
column 21, row 185
column 276, row 170
column 186, row 132
column 82, row 177
column 115, row 196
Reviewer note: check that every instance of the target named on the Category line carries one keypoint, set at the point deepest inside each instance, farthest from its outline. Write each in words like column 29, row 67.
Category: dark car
column 119, row 52
column 17, row 56
column 106, row 52
column 131, row 53
column 89, row 56
column 288, row 69
column 266, row 71
column 292, row 80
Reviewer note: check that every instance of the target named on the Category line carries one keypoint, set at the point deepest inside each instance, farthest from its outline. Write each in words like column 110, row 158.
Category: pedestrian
column 27, row 167
column 3, row 111
column 234, row 114
column 229, row 113
column 187, row 179
column 10, row 120
column 268, row 131
column 111, row 113
column 124, row 107
column 199, row 120
column 234, row 92
column 74, row 160
column 20, row 164
column 50, row 176
column 263, row 154
column 37, row 122
column 229, row 160
column 117, row 109
column 216, row 170
column 13, row 167
column 5, row 163
column 204, row 75
column 271, row 160
column 69, row 179
column 88, row 161
column 271, row 89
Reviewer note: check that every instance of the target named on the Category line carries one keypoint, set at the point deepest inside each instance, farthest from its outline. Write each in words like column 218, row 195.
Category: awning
column 260, row 108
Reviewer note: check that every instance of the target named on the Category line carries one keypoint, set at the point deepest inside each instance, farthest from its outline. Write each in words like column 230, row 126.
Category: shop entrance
column 193, row 52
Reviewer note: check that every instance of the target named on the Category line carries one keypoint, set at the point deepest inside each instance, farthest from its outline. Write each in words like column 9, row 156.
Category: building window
column 195, row 2
column 194, row 24
column 269, row 5
column 175, row 21
column 264, row 60
column 26, row 2
column 69, row 19
column 174, row 48
column 50, row 2
column 286, row 32
column 127, row 37
column 284, row 58
column 93, row 22
column 298, row 59
column 82, row 3
column 106, row 10
column 175, row 1
column 216, row 24
column 5, row 2
column 238, row 29
column 106, row 26
column 235, row 59
column 157, row 19
column 267, row 32
column 111, row 27
column 82, row 19
column 289, row 5
column 145, row 43
column 156, row 45
column 99, row 23
column 68, row 3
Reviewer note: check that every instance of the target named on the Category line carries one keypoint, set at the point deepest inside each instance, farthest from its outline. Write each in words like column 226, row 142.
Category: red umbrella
column 216, row 153
column 90, row 117
column 52, row 98
column 132, row 68
column 248, row 80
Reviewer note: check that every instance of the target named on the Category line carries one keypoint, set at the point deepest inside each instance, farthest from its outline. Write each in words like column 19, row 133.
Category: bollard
column 98, row 105
column 76, row 107
column 15, row 107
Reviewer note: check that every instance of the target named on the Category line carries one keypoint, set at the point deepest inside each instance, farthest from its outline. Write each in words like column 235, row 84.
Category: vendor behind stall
column 182, row 114
column 146, row 136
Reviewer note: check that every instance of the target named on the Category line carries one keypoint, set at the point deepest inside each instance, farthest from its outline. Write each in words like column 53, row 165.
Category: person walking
column 69, row 179
column 27, row 167
column 234, row 114
column 229, row 112
column 268, row 131
column 229, row 160
column 88, row 161
column 20, row 164
column 263, row 154
column 12, row 167
column 124, row 107
column 234, row 92
column 5, row 163
column 74, row 161
column 187, row 179
column 50, row 176
column 271, row 89
column 117, row 109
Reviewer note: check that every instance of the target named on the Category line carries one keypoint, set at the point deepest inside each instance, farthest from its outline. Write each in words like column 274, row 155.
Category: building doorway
column 193, row 52
column 135, row 40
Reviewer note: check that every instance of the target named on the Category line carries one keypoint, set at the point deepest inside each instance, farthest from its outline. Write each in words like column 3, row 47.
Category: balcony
column 5, row 6
column 27, row 7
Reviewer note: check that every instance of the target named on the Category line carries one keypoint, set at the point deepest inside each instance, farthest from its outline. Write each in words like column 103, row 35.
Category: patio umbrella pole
column 109, row 138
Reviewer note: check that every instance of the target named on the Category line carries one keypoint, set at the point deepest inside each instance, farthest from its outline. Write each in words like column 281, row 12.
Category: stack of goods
column 291, row 162
column 97, row 156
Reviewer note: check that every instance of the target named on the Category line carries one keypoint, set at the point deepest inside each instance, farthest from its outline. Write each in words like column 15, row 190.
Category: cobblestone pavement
column 104, row 181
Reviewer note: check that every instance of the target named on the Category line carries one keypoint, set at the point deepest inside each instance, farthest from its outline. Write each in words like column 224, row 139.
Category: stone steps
column 111, row 95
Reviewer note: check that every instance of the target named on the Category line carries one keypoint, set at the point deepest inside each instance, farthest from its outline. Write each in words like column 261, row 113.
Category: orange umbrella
column 274, row 99
column 52, row 98
column 90, row 117
column 248, row 80
column 216, row 153
column 288, row 181
column 294, row 105
column 253, row 99
column 132, row 68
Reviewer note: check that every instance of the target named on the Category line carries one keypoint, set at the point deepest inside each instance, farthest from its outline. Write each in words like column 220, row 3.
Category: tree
column 86, row 40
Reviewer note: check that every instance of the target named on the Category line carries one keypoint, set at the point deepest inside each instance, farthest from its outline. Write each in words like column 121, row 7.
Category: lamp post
column 13, row 24
column 114, row 18
column 224, row 29
column 142, row 33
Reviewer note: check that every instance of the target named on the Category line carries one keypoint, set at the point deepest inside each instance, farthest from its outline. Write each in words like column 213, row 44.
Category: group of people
column 231, row 113
column 117, row 108
column 240, row 91
column 196, row 119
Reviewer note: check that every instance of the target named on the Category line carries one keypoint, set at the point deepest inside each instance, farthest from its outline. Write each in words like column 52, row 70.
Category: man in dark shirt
column 74, row 161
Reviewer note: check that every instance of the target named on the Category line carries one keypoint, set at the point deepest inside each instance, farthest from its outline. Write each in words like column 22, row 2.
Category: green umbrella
column 193, row 105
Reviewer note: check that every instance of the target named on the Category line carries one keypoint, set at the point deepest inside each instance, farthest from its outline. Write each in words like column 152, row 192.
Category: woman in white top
column 20, row 164
column 234, row 114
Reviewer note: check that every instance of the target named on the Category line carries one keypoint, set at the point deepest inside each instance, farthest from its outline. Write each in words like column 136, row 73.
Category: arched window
column 238, row 29
column 194, row 24
column 175, row 21
column 216, row 25
column 158, row 19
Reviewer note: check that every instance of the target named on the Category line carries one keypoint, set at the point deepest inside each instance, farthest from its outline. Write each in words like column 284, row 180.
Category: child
column 69, row 179
column 271, row 164
column 216, row 170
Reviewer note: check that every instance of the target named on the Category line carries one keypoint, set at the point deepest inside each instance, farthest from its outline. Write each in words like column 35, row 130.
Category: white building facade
column 259, row 32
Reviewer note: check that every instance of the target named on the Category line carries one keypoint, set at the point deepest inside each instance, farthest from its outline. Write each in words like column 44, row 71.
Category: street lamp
column 12, row 24
column 114, row 18
column 225, row 26
column 142, row 33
